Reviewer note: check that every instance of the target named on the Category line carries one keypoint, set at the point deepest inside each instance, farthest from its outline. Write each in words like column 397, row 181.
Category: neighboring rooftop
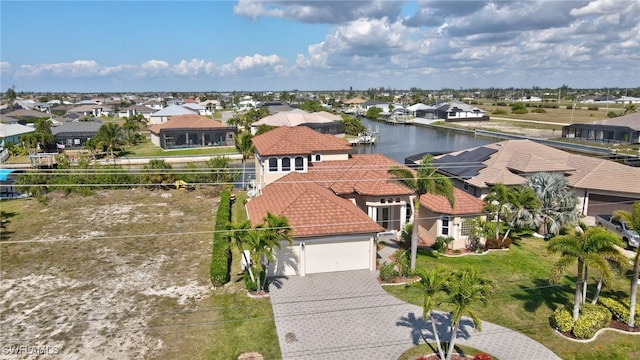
column 297, row 117
column 465, row 204
column 189, row 121
column 299, row 140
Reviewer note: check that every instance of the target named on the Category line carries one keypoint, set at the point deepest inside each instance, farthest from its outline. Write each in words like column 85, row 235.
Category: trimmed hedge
column 219, row 269
column 620, row 310
column 562, row 319
column 592, row 319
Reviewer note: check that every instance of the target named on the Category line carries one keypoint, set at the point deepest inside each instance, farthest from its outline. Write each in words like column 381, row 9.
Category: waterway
column 399, row 141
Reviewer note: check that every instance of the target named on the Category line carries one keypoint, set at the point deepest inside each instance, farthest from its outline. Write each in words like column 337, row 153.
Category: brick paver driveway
column 347, row 315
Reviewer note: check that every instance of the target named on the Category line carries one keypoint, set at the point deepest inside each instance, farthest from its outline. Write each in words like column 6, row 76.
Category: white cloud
column 155, row 65
column 327, row 12
column 5, row 66
column 252, row 63
column 601, row 7
column 193, row 67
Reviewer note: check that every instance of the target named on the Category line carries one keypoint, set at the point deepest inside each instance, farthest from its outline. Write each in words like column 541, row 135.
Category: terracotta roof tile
column 465, row 204
column 189, row 121
column 299, row 140
column 311, row 209
column 365, row 174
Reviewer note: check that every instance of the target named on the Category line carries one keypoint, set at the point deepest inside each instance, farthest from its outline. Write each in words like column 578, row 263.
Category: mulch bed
column 399, row 280
column 435, row 357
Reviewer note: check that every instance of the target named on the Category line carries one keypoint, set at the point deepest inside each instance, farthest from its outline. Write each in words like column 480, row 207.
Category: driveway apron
column 347, row 315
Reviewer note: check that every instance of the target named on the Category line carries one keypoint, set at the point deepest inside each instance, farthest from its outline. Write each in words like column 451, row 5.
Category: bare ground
column 120, row 274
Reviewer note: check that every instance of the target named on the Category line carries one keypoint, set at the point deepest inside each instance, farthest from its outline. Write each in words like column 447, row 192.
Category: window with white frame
column 467, row 228
column 445, row 222
column 286, row 164
column 299, row 163
column 273, row 164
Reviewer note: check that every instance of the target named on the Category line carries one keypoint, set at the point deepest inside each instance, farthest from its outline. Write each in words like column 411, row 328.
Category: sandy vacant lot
column 120, row 274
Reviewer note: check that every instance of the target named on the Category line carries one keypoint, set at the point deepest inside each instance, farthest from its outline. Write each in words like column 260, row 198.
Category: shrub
column 442, row 243
column 249, row 284
column 481, row 356
column 520, row 111
column 403, row 260
column 592, row 319
column 539, row 111
column 499, row 112
column 612, row 114
column 592, row 108
column 562, row 320
column 493, row 243
column 518, row 106
column 220, row 252
column 388, row 272
column 619, row 310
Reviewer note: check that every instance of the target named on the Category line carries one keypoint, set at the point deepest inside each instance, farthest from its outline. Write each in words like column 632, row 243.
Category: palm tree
column 156, row 172
column 523, row 203
column 633, row 219
column 245, row 146
column 432, row 282
column 592, row 248
column 464, row 289
column 630, row 108
column 497, row 203
column 425, row 180
column 109, row 136
column 558, row 204
column 262, row 242
column 237, row 237
column 131, row 126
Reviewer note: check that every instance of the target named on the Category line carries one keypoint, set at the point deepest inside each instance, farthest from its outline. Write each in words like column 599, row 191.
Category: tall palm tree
column 424, row 180
column 593, row 248
column 432, row 282
column 633, row 219
column 464, row 289
column 237, row 237
column 558, row 204
column 244, row 145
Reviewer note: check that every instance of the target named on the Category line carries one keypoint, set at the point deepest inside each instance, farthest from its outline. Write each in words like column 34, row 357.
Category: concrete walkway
column 347, row 315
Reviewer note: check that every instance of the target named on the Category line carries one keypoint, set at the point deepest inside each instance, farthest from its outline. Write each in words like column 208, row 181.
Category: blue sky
column 249, row 45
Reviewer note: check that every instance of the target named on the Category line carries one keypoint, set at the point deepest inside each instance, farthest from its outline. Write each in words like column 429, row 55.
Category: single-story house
column 620, row 130
column 329, row 233
column 134, row 110
column 438, row 218
column 10, row 133
column 191, row 130
column 75, row 134
column 510, row 162
column 163, row 115
column 322, row 121
column 458, row 111
column 93, row 110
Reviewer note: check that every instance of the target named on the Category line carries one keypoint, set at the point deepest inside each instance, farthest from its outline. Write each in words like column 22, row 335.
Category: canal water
column 399, row 141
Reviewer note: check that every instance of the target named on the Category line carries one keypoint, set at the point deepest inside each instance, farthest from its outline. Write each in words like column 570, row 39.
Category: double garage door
column 319, row 257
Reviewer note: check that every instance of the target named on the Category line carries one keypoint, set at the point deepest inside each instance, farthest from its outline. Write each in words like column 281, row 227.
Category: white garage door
column 337, row 256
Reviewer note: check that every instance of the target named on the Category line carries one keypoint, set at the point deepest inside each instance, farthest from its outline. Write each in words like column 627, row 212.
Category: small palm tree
column 237, row 237
column 464, row 289
column 633, row 219
column 262, row 242
column 432, row 282
column 593, row 248
column 497, row 203
column 110, row 136
column 558, row 204
column 630, row 108
column 425, row 180
column 244, row 145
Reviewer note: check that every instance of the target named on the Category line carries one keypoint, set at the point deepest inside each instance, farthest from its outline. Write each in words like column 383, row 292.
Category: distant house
column 438, row 218
column 602, row 186
column 10, row 133
column 458, row 111
column 162, row 116
column 134, row 110
column 154, row 104
column 75, row 134
column 322, row 121
column 93, row 110
column 619, row 130
column 191, row 130
column 200, row 109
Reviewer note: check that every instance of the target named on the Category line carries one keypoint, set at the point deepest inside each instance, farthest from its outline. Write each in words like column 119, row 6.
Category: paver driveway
column 347, row 315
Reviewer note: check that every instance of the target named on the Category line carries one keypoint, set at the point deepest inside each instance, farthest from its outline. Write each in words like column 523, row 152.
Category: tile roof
column 299, row 140
column 190, row 121
column 365, row 174
column 465, row 204
column 297, row 117
column 312, row 210
column 516, row 158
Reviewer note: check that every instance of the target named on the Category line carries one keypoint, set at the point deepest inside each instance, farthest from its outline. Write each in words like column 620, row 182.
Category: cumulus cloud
column 193, row 67
column 601, row 7
column 5, row 66
column 256, row 62
column 327, row 12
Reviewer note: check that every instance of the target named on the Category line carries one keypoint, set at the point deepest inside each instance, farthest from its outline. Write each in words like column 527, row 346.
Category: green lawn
column 524, row 300
column 246, row 324
column 148, row 149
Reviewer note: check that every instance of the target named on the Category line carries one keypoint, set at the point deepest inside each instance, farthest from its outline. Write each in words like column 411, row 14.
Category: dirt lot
column 120, row 274
column 539, row 131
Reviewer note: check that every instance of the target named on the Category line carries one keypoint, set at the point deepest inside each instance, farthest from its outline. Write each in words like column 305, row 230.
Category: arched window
column 318, row 158
column 286, row 164
column 273, row 164
column 299, row 163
